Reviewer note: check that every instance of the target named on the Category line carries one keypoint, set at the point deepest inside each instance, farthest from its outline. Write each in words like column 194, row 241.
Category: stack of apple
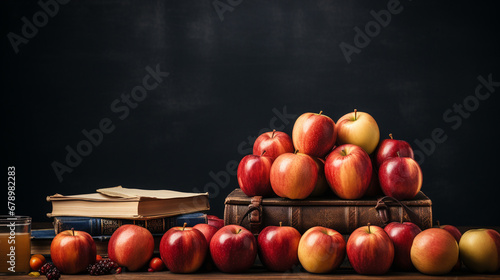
column 322, row 154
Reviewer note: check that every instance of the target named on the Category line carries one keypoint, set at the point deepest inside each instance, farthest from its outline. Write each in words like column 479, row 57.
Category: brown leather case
column 344, row 216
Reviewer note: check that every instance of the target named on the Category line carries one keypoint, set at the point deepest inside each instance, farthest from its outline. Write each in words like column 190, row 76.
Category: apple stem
column 355, row 114
column 281, row 224
column 184, row 226
column 263, row 152
column 344, row 153
column 274, row 130
column 239, row 230
column 320, row 112
column 398, row 154
column 390, row 135
column 368, row 228
column 439, row 225
column 296, row 151
column 73, row 231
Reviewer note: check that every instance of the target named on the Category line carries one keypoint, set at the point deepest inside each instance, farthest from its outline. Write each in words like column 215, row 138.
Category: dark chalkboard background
column 236, row 67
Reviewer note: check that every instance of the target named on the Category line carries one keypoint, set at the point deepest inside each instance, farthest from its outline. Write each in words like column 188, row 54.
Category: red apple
column 208, row 231
column 278, row 247
column 434, row 251
column 253, row 175
column 314, row 134
column 183, row 249
column 215, row 221
column 480, row 250
column 391, row 148
column 131, row 246
column 457, row 234
column 274, row 143
column 72, row 251
column 402, row 235
column 321, row 186
column 321, row 250
column 370, row 250
column 360, row 129
column 233, row 249
column 294, row 175
column 156, row 264
column 400, row 177
column 348, row 170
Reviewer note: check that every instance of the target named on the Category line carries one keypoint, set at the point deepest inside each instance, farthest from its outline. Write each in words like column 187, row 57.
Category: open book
column 126, row 203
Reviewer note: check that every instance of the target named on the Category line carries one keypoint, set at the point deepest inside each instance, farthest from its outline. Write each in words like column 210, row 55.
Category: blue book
column 105, row 226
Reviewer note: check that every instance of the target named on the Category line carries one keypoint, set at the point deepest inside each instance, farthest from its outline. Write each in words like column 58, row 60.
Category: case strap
column 254, row 214
column 384, row 215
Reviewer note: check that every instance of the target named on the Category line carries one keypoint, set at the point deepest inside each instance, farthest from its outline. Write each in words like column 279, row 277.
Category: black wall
column 234, row 68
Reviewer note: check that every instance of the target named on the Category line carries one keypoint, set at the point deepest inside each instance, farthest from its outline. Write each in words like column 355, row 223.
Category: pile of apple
column 345, row 157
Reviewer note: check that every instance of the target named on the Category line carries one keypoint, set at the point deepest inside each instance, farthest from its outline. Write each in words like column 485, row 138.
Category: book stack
column 101, row 213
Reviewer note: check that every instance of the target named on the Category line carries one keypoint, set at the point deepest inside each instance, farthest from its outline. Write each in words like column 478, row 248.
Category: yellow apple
column 321, row 250
column 358, row 128
column 480, row 250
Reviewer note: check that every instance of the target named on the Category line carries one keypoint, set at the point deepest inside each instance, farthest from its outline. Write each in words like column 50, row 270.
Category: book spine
column 101, row 226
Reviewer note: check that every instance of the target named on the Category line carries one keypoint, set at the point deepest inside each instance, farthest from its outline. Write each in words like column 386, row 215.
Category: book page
column 119, row 191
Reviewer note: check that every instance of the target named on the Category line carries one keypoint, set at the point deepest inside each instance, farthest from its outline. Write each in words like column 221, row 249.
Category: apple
column 400, row 177
column 274, row 143
column 457, row 234
column 314, row 134
column 253, row 175
column 233, row 249
column 278, row 246
column 391, row 148
column 294, row 175
column 215, row 221
column 321, row 250
column 156, row 264
column 360, row 129
column 370, row 250
column 434, row 251
column 208, row 231
column 348, row 170
column 321, row 186
column 402, row 235
column 72, row 251
column 131, row 246
column 480, row 250
column 183, row 249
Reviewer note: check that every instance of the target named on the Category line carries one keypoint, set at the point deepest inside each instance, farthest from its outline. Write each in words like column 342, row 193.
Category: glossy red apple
column 254, row 175
column 480, row 250
column 131, row 246
column 215, row 221
column 274, row 143
column 400, row 177
column 360, row 129
column 183, row 249
column 402, row 235
column 294, row 175
column 348, row 170
column 434, row 251
column 370, row 250
column 156, row 264
column 208, row 231
column 391, row 148
column 278, row 246
column 72, row 251
column 233, row 249
column 457, row 234
column 321, row 250
column 314, row 134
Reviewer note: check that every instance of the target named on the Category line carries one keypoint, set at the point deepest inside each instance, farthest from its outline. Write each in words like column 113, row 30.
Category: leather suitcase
column 344, row 216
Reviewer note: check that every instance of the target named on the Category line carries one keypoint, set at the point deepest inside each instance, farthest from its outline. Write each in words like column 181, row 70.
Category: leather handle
column 254, row 214
column 383, row 210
